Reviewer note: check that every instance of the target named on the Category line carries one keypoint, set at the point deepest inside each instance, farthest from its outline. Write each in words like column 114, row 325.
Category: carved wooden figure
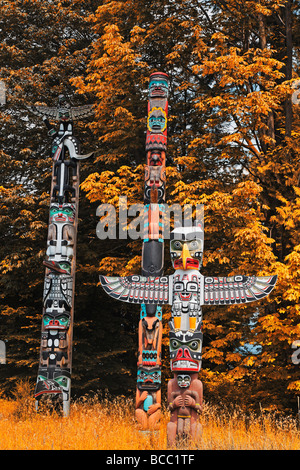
column 186, row 290
column 185, row 398
column 55, row 366
column 148, row 401
column 148, row 397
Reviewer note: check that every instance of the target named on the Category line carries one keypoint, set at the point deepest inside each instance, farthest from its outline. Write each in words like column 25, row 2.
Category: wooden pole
column 148, row 393
column 55, row 363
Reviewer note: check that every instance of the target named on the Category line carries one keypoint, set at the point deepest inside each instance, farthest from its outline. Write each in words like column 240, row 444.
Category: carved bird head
column 186, row 247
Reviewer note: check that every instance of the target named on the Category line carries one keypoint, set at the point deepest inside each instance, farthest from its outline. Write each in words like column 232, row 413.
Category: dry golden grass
column 109, row 424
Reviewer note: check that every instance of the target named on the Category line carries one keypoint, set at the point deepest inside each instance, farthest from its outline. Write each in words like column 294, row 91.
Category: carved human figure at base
column 185, row 397
column 148, row 397
column 148, row 409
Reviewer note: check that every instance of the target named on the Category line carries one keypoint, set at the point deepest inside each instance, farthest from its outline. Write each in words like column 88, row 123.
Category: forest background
column 233, row 131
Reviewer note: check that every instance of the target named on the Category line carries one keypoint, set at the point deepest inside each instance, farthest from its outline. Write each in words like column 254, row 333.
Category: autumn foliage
column 233, row 145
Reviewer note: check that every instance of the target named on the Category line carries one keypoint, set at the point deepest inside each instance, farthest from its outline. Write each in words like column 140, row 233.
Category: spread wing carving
column 138, row 289
column 82, row 111
column 39, row 110
column 57, row 113
column 237, row 289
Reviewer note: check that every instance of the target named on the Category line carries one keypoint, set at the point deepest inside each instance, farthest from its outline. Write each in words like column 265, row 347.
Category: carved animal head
column 186, row 247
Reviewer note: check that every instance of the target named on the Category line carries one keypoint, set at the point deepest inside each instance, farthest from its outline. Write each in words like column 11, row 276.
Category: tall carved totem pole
column 148, row 394
column 186, row 290
column 55, row 366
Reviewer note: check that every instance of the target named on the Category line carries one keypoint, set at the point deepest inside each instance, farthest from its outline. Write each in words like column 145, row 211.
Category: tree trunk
column 263, row 44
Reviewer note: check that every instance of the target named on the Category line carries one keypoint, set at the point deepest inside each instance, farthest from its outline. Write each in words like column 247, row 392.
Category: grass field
column 109, row 424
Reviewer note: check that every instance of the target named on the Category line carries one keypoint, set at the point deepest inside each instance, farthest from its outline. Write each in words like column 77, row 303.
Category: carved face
column 185, row 350
column 184, row 380
column 156, row 159
column 155, row 178
column 148, row 378
column 58, row 288
column 186, row 287
column 61, row 267
column 45, row 385
column 62, row 213
column 186, row 254
column 53, row 382
column 157, row 120
column 186, row 247
column 158, row 86
column 65, row 266
column 64, row 382
column 56, row 321
column 64, row 110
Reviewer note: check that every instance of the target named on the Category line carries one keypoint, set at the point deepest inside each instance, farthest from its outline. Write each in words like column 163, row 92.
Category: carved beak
column 185, row 255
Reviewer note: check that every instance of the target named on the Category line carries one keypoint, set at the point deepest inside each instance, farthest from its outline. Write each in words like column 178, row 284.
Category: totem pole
column 54, row 373
column 148, row 393
column 186, row 291
column 2, row 103
column 185, row 390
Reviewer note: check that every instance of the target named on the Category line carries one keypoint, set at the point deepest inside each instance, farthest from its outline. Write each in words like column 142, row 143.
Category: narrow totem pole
column 55, row 365
column 185, row 390
column 186, row 290
column 148, row 393
column 2, row 103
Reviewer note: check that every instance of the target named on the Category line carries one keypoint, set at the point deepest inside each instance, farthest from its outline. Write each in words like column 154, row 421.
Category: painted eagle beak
column 185, row 255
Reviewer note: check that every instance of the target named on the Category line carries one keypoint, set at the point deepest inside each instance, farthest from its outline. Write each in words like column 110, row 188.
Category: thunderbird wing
column 138, row 289
column 40, row 110
column 81, row 112
column 237, row 289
